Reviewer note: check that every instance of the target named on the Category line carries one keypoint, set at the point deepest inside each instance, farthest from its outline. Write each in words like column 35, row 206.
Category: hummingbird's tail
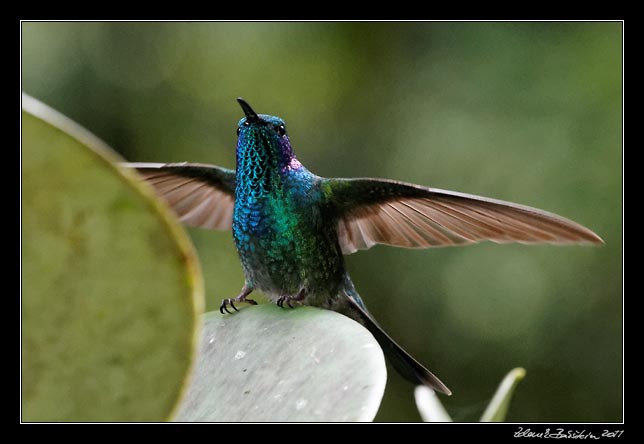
column 408, row 367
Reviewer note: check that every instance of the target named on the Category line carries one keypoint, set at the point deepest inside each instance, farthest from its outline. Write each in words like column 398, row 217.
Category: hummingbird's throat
column 292, row 165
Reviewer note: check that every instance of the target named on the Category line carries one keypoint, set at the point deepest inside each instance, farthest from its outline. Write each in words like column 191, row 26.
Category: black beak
column 251, row 115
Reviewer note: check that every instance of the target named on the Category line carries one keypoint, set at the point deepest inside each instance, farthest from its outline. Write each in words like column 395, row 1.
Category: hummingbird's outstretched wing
column 379, row 211
column 201, row 195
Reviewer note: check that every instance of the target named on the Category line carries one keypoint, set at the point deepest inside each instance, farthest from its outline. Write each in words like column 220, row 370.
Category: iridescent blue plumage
column 287, row 247
column 292, row 228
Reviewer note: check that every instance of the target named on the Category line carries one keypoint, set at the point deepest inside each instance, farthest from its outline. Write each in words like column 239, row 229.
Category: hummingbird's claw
column 231, row 302
column 286, row 298
column 224, row 306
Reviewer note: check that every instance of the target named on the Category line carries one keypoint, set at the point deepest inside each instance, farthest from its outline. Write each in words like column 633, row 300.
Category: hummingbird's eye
column 281, row 130
column 238, row 130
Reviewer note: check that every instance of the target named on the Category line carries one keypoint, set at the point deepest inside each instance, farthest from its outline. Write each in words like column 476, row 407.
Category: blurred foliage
column 497, row 410
column 431, row 409
column 526, row 112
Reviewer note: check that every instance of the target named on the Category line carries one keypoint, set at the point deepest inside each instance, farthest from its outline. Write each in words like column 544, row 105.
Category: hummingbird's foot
column 288, row 298
column 241, row 297
column 224, row 305
column 282, row 299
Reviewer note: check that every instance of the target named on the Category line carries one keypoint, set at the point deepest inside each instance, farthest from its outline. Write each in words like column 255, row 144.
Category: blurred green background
column 526, row 112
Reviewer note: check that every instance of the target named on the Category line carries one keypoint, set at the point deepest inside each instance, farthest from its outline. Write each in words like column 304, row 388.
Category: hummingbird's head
column 263, row 137
column 269, row 129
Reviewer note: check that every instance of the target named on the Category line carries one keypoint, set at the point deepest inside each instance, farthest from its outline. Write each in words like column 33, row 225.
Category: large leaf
column 265, row 363
column 111, row 288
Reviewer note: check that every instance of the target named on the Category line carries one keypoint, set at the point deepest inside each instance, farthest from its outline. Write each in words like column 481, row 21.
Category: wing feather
column 201, row 195
column 377, row 211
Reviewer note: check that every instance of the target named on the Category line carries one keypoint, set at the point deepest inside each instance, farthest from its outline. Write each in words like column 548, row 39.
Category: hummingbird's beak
column 251, row 115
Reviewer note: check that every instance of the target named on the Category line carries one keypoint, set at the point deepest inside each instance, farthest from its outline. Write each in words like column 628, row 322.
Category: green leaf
column 111, row 288
column 265, row 363
column 429, row 406
column 497, row 410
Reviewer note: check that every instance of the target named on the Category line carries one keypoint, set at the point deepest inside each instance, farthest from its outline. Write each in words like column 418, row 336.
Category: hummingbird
column 292, row 228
